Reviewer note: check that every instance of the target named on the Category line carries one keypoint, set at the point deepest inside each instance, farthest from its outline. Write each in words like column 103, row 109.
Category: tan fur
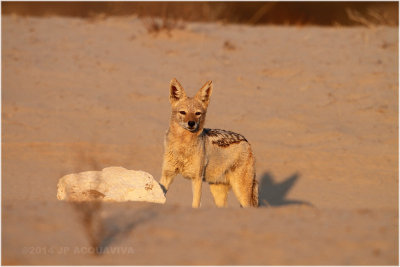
column 222, row 158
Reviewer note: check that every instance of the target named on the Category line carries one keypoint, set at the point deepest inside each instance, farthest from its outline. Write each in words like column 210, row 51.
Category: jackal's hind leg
column 241, row 181
column 220, row 194
column 243, row 194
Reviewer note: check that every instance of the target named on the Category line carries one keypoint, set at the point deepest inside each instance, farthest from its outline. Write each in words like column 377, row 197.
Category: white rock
column 110, row 184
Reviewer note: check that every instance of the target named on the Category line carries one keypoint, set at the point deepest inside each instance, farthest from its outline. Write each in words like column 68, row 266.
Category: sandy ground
column 318, row 105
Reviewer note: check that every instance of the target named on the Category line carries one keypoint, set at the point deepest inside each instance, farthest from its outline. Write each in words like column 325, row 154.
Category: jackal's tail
column 254, row 193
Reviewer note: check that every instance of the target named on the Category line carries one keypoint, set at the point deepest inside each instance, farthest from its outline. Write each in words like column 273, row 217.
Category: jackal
column 222, row 158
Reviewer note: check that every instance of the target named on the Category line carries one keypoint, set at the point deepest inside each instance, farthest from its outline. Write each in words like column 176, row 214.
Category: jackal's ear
column 204, row 93
column 176, row 91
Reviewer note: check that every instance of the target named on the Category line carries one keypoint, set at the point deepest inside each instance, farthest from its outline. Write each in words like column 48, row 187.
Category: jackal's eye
column 198, row 113
column 182, row 112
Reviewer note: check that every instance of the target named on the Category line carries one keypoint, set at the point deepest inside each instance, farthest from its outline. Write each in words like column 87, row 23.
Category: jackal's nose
column 191, row 123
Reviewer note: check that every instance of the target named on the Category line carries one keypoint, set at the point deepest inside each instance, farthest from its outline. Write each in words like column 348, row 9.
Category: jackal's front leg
column 196, row 188
column 166, row 179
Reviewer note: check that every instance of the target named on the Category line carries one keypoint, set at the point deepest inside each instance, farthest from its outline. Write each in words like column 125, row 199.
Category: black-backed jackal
column 222, row 158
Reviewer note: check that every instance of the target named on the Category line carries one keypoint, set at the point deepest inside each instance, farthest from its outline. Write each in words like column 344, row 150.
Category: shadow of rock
column 274, row 194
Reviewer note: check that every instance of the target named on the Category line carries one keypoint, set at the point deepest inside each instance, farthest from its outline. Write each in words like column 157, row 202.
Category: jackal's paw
column 195, row 206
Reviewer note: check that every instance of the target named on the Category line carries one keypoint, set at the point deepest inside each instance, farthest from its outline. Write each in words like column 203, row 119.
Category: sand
column 319, row 106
